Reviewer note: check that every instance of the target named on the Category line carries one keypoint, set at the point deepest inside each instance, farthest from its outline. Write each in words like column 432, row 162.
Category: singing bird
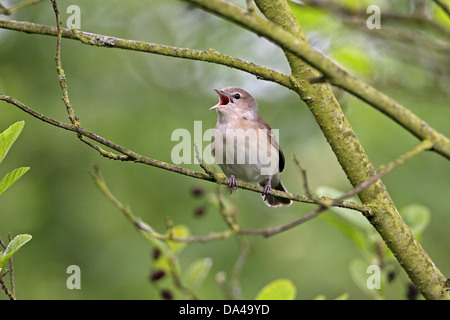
column 245, row 146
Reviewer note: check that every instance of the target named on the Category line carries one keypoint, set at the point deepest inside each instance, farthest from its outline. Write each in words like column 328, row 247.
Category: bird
column 244, row 145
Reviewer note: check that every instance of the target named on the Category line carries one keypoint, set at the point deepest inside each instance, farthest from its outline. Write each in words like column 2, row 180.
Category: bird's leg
column 267, row 189
column 233, row 183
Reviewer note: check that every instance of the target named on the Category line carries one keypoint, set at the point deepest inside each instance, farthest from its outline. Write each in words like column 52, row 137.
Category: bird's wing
column 273, row 140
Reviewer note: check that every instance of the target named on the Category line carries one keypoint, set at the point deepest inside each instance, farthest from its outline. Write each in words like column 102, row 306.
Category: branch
column 60, row 70
column 229, row 217
column 99, row 40
column 129, row 155
column 17, row 7
column 444, row 6
column 356, row 164
column 378, row 208
column 350, row 15
column 425, row 145
column 334, row 74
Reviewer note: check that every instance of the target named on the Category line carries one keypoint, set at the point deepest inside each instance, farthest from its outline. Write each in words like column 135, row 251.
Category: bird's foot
column 267, row 189
column 233, row 184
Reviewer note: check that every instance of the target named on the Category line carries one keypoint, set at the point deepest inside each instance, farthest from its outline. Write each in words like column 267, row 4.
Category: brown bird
column 245, row 146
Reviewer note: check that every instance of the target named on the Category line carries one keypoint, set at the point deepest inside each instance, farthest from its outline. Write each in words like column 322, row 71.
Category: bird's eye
column 237, row 96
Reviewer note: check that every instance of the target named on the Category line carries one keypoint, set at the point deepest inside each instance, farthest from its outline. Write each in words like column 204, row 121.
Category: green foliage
column 151, row 97
column 12, row 248
column 12, row 177
column 281, row 289
column 178, row 231
column 197, row 272
column 166, row 261
column 373, row 251
column 7, row 139
column 354, row 59
column 417, row 217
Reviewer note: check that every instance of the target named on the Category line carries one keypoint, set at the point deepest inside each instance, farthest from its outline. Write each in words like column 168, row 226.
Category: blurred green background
column 137, row 100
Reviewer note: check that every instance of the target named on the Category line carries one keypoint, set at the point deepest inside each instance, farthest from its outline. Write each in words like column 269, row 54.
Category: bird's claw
column 233, row 184
column 267, row 190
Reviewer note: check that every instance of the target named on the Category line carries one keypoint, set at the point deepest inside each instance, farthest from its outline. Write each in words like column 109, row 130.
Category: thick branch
column 333, row 73
column 355, row 162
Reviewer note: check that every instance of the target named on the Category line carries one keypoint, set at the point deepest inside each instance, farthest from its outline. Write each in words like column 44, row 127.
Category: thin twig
column 424, row 145
column 228, row 214
column 10, row 11
column 444, row 6
column 11, row 270
column 324, row 205
column 244, row 249
column 60, row 70
column 304, row 176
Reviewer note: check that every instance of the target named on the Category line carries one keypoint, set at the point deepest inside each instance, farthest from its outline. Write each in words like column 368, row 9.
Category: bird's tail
column 274, row 201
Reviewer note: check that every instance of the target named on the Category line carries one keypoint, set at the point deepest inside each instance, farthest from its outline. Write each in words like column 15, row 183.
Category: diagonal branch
column 424, row 145
column 129, row 155
column 444, row 6
column 333, row 73
column 17, row 7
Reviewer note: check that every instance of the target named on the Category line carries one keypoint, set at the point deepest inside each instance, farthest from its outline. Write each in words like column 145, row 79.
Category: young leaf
column 416, row 217
column 178, row 231
column 370, row 280
column 12, row 177
column 348, row 222
column 281, row 289
column 197, row 272
column 354, row 58
column 8, row 137
column 12, row 248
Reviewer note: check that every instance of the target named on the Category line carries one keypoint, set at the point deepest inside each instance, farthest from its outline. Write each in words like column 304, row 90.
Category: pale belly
column 250, row 159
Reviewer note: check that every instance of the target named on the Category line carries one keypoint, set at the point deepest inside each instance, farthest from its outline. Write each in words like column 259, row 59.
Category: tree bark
column 355, row 162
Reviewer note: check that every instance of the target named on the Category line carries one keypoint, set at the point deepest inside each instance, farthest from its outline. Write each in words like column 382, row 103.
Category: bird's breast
column 245, row 152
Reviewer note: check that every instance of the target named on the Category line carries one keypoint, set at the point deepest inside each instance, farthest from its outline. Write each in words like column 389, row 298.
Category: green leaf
column 364, row 277
column 281, row 289
column 349, row 222
column 12, row 177
column 343, row 296
column 8, row 137
column 12, row 248
column 347, row 229
column 355, row 59
column 358, row 273
column 178, row 231
column 416, row 217
column 197, row 272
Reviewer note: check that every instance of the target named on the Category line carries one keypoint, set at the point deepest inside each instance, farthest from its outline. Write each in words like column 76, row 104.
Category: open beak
column 223, row 100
